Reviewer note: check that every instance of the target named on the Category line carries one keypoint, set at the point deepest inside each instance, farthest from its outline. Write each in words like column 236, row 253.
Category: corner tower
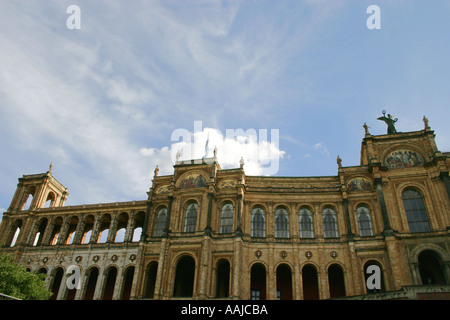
column 38, row 191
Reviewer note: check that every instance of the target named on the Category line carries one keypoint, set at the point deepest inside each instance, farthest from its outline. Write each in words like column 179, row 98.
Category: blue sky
column 102, row 102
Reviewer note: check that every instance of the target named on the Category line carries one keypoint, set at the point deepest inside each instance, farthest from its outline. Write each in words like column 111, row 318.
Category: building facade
column 210, row 233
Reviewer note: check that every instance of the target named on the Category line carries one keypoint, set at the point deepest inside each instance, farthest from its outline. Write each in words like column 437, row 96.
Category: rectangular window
column 256, row 295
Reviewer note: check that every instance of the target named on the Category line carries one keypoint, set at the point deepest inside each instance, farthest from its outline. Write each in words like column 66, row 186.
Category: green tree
column 17, row 282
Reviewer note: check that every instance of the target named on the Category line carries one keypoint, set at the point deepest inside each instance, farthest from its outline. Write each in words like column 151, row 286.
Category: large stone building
column 208, row 233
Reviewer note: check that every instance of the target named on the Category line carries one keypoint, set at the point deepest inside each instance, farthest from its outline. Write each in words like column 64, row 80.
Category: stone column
column 350, row 234
column 79, row 232
column 144, row 234
column 63, row 232
column 238, row 216
column 387, row 226
column 95, row 231
column 112, row 229
column 130, row 229
column 208, row 217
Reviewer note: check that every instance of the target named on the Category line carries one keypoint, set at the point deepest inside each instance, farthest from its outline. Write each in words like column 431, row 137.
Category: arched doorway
column 110, row 283
column 310, row 281
column 223, row 279
column 127, row 283
column 258, row 282
column 430, row 268
column 375, row 265
column 57, row 279
column 91, row 284
column 184, row 277
column 336, row 281
column 284, row 282
column 152, row 270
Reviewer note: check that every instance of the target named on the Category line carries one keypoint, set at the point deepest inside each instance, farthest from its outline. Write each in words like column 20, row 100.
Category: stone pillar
column 130, row 229
column 169, row 214
column 79, row 232
column 112, row 229
column 95, row 230
column 204, row 268
column 144, row 234
column 238, row 216
column 387, row 226
column 236, row 293
column 63, row 232
column 208, row 217
column 47, row 233
column 350, row 234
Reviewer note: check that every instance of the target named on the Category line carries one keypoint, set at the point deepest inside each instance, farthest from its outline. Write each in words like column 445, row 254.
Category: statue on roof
column 389, row 121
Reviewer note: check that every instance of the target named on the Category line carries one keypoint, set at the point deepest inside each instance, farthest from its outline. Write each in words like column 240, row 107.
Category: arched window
column 364, row 222
column 281, row 223
column 416, row 213
column 190, row 219
column 258, row 222
column 329, row 223
column 306, row 226
column 226, row 218
column 160, row 223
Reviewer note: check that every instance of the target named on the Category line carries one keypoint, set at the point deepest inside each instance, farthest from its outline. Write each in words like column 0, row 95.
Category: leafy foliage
column 17, row 282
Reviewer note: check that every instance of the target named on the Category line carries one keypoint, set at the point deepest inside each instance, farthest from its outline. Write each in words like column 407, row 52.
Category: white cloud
column 261, row 153
column 321, row 148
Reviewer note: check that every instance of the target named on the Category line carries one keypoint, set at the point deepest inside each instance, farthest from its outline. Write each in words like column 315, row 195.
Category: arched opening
column 14, row 233
column 122, row 223
column 330, row 229
column 29, row 198
column 310, row 281
column 184, row 277
column 281, row 223
column 430, row 268
column 110, row 283
column 336, row 281
column 364, row 221
column 306, row 225
column 160, row 222
column 138, row 224
column 40, row 232
column 258, row 222
column 150, row 283
column 415, row 211
column 223, row 279
column 91, row 283
column 375, row 284
column 87, row 230
column 284, row 282
column 190, row 219
column 258, row 282
column 57, row 224
column 73, row 222
column 127, row 283
column 104, row 228
column 50, row 201
column 57, row 279
column 226, row 218
column 42, row 270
